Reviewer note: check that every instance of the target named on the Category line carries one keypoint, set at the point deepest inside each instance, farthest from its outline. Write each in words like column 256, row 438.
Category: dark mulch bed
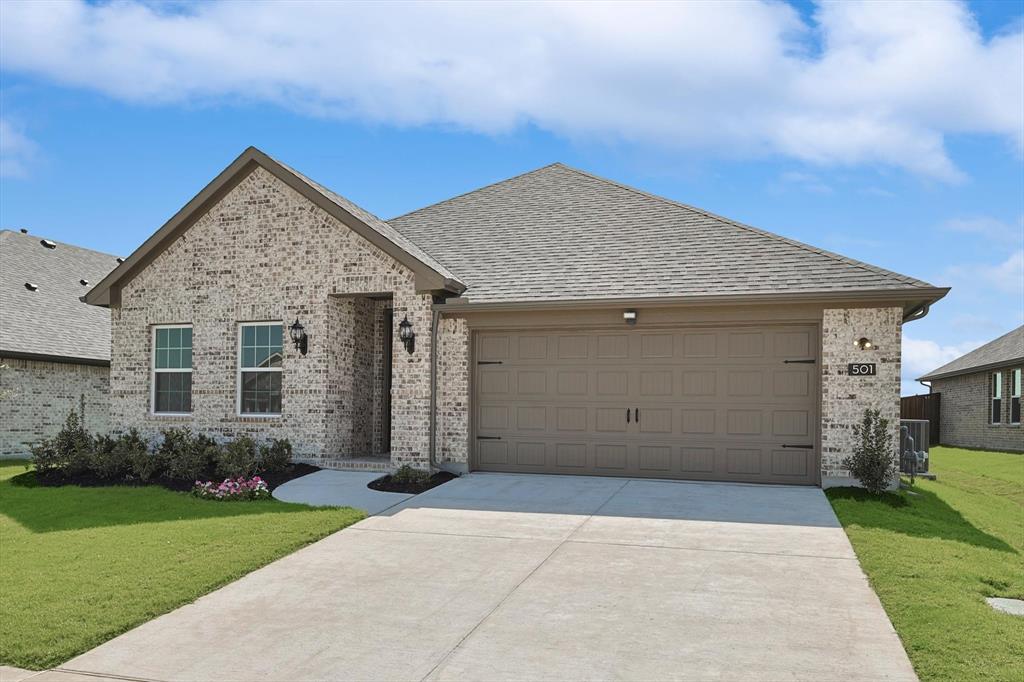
column 55, row 478
column 387, row 483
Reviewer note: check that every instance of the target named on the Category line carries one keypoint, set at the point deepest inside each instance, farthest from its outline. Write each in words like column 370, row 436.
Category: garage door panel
column 713, row 404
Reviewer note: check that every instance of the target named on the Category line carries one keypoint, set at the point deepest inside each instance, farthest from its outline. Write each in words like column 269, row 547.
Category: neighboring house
column 980, row 404
column 54, row 348
column 555, row 322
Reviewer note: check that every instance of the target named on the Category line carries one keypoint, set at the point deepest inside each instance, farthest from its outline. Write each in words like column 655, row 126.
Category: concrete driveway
column 497, row 576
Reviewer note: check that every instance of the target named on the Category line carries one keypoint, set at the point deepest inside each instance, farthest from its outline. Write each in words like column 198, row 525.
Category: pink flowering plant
column 240, row 488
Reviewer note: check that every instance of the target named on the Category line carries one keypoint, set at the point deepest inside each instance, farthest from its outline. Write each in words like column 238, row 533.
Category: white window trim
column 168, row 370
column 239, row 369
column 995, row 395
column 1016, row 381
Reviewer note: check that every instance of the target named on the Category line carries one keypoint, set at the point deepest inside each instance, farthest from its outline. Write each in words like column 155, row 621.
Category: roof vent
column 120, row 260
column 48, row 244
column 30, row 286
column 24, row 231
column 83, row 282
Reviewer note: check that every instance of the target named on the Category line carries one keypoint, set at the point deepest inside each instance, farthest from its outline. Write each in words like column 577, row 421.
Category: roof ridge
column 750, row 228
column 18, row 234
column 941, row 370
column 478, row 189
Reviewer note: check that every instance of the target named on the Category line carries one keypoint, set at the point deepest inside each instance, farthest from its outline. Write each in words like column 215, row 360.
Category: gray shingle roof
column 51, row 320
column 558, row 233
column 1007, row 349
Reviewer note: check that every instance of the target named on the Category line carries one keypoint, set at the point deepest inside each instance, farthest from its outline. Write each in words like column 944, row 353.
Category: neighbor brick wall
column 264, row 252
column 36, row 397
column 966, row 413
column 844, row 398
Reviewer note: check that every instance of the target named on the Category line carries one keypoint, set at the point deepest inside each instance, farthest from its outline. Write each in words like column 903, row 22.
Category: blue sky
column 892, row 133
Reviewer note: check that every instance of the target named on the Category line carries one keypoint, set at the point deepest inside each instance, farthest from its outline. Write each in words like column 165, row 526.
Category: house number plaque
column 861, row 369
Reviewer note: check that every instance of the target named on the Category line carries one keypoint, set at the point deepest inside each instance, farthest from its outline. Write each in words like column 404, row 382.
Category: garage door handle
column 802, row 447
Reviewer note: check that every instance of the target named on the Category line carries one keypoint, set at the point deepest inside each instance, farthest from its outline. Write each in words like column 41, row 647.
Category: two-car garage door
column 727, row 404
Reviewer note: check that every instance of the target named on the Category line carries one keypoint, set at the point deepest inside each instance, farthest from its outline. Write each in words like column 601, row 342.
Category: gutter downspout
column 918, row 312
column 435, row 319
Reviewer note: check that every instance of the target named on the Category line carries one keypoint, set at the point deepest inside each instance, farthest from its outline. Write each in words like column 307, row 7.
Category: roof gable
column 1006, row 349
column 560, row 234
column 51, row 321
column 430, row 274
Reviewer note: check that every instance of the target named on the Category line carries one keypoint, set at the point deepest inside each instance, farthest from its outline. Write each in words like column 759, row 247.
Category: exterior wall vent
column 30, row 286
column 48, row 244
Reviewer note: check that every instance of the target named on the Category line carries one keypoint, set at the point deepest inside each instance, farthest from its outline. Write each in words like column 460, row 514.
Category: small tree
column 873, row 462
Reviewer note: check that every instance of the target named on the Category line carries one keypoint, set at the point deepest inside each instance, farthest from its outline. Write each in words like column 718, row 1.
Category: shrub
column 112, row 457
column 407, row 474
column 187, row 456
column 232, row 489
column 68, row 452
column 275, row 456
column 146, row 466
column 237, row 459
column 873, row 462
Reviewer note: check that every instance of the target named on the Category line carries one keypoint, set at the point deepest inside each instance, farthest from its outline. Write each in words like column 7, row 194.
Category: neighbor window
column 997, row 397
column 259, row 368
column 1015, row 396
column 172, row 369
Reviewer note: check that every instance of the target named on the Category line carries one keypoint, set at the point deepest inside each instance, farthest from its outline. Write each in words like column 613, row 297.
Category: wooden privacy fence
column 924, row 407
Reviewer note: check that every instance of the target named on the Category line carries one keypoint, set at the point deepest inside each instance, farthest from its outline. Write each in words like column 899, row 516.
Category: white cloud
column 890, row 82
column 16, row 150
column 921, row 356
column 980, row 279
column 988, row 227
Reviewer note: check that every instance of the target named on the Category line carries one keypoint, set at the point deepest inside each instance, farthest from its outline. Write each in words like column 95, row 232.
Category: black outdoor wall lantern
column 407, row 335
column 299, row 338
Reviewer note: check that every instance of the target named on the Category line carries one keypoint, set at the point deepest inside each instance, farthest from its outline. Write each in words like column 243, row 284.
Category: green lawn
column 933, row 557
column 81, row 565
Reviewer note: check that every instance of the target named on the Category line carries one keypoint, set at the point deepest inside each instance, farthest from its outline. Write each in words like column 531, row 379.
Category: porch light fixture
column 864, row 343
column 629, row 316
column 298, row 335
column 407, row 335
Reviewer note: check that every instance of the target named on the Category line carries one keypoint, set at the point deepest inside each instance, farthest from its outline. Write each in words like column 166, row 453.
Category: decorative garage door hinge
column 810, row 361
column 488, row 437
column 801, row 447
column 488, row 362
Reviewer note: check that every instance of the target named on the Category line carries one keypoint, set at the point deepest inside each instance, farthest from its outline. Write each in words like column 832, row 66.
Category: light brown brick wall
column 453, row 392
column 966, row 413
column 36, row 397
column 844, row 398
column 266, row 253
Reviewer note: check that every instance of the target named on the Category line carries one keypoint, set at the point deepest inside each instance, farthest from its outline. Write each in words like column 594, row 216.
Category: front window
column 172, row 369
column 259, row 368
column 1015, row 396
column 997, row 397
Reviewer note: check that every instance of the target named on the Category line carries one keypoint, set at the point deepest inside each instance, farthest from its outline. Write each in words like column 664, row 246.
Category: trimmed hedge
column 179, row 457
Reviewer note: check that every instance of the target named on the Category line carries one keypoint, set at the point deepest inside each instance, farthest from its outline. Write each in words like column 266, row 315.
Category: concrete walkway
column 498, row 577
column 327, row 488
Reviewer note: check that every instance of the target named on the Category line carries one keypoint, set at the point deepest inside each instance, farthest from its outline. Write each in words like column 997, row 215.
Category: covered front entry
column 736, row 403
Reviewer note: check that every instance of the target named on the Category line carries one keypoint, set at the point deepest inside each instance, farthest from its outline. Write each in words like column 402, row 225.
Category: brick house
column 981, row 394
column 554, row 322
column 54, row 348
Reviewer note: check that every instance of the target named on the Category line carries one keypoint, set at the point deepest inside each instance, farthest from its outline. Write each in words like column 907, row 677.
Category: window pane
column 1016, row 383
column 275, row 359
column 186, row 358
column 248, row 357
column 275, row 336
column 1015, row 410
column 186, row 337
column 261, row 356
column 997, row 410
column 997, row 385
column 261, row 392
column 173, row 392
column 263, row 335
column 174, row 338
column 248, row 335
column 174, row 358
column 161, row 338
